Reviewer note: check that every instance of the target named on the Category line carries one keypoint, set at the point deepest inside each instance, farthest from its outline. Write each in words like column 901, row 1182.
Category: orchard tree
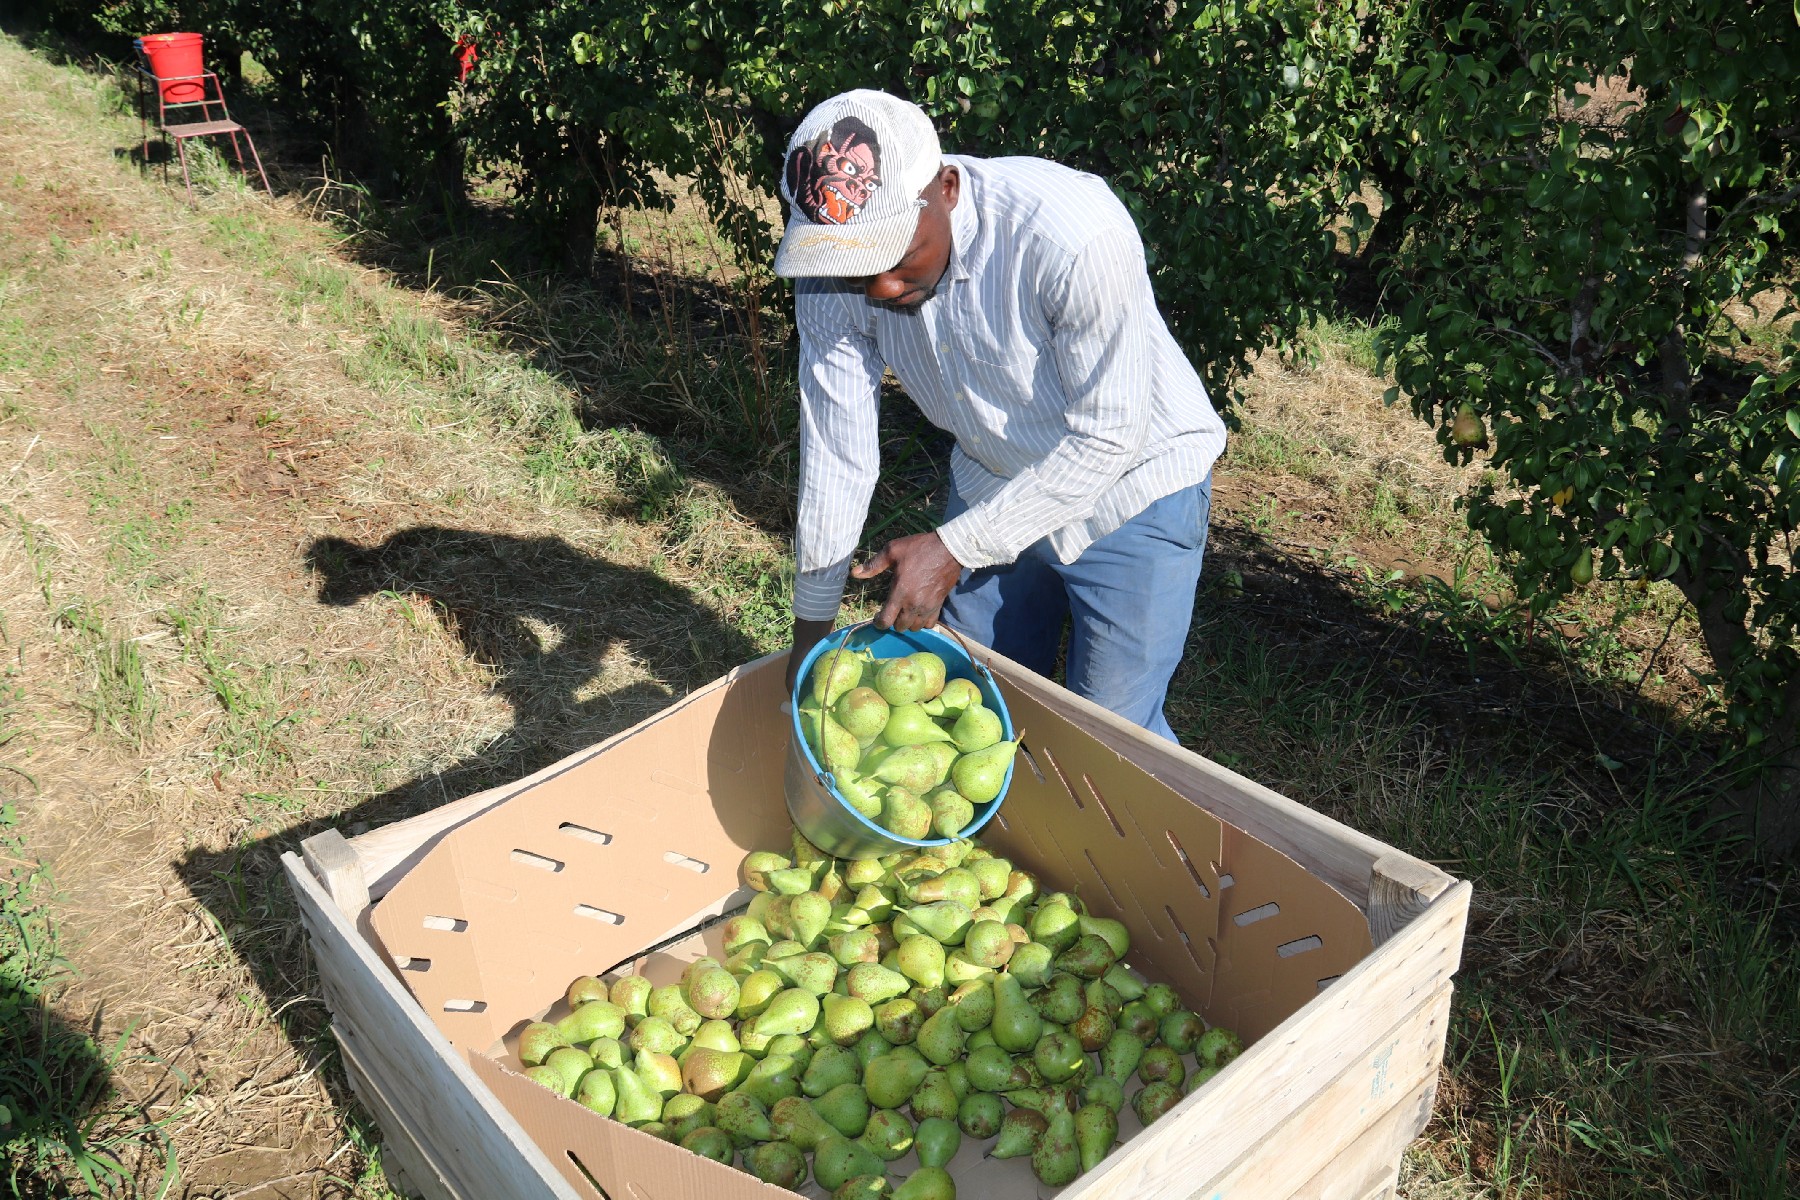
column 1597, row 192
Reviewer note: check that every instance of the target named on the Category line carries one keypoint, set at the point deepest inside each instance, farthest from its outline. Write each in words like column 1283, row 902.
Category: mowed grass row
column 1626, row 1020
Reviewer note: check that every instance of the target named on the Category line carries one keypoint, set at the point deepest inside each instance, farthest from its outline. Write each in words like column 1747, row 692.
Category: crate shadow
column 550, row 622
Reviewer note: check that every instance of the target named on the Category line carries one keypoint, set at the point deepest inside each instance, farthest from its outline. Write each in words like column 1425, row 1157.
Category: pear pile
column 865, row 1009
column 913, row 751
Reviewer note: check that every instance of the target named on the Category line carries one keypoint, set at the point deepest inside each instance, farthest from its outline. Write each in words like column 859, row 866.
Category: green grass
column 1630, row 996
column 254, row 722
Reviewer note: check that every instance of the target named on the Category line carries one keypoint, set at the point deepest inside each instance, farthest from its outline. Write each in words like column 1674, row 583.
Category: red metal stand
column 215, row 118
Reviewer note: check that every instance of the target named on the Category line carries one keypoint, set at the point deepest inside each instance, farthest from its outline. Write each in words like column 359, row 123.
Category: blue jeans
column 1130, row 595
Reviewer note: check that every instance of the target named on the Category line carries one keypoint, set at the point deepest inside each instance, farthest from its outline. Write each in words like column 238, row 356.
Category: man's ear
column 951, row 178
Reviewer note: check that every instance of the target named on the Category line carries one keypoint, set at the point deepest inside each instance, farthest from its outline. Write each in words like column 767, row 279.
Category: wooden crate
column 1321, row 1105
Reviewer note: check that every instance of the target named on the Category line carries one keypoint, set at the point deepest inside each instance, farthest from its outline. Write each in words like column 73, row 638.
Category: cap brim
column 810, row 251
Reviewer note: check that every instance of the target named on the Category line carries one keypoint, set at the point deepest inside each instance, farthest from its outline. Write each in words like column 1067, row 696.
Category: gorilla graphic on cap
column 832, row 177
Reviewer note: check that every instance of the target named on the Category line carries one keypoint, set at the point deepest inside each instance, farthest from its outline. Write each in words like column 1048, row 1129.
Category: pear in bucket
column 976, row 729
column 978, row 776
column 903, row 680
column 911, row 725
column 836, row 672
column 863, row 712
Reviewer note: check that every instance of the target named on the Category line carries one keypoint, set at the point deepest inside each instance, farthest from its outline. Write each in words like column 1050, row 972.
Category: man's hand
column 924, row 573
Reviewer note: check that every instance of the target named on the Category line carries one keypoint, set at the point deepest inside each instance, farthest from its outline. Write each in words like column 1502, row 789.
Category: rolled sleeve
column 1096, row 309
column 840, row 388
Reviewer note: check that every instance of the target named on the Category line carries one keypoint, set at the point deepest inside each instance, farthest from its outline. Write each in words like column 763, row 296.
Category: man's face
column 909, row 283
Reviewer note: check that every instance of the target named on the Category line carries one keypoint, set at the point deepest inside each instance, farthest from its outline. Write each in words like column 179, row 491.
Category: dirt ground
column 253, row 586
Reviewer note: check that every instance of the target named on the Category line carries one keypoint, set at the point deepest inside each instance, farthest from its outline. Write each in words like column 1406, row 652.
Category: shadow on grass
column 548, row 621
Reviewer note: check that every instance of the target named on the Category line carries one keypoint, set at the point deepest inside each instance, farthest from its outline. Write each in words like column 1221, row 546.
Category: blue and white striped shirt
column 1042, row 353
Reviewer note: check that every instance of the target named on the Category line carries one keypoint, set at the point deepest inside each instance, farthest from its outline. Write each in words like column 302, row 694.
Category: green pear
column 757, row 989
column 659, row 1072
column 744, row 930
column 1060, row 1000
column 1031, row 964
column 863, row 712
column 571, row 1063
column 941, row 1039
column 892, row 1079
column 709, row 1073
column 791, row 881
column 835, row 673
column 889, row 1134
column 595, row 1019
column 1181, row 1030
column 1093, row 1028
column 1198, row 1079
column 795, row 1010
column 845, row 1108
column 1055, row 925
column 933, row 670
column 992, row 1069
column 1160, row 998
column 937, row 1140
column 1089, row 957
column 927, row 1183
column 1218, row 1046
column 780, row 1163
column 668, row 1003
column 857, row 946
column 1116, row 935
column 714, row 1035
column 930, row 999
column 1155, row 1100
column 711, row 1143
column 863, row 1187
column 744, row 1117
column 989, row 944
column 973, row 1005
column 1104, row 1089
column 606, row 1052
column 657, row 1036
column 979, row 776
column 596, row 1092
column 1056, row 1160
column 1140, row 1020
column 899, row 1020
column 685, row 1113
column 814, row 972
column 958, row 970
column 875, row 984
column 901, row 681
column 904, row 815
column 1016, row 1024
column 979, row 1115
column 636, row 1103
column 958, row 695
column 1059, row 1056
column 869, row 1047
column 950, row 812
column 976, row 729
column 808, row 914
column 1120, row 1056
column 921, row 959
column 756, row 867
column 936, row 1096
column 1020, row 1132
column 1120, row 978
column 537, row 1040
column 864, row 795
column 864, row 872
column 658, row 1130
column 910, row 725
column 943, row 758
column 830, row 1066
column 846, row 1018
column 713, row 993
column 914, row 768
column 583, row 989
column 944, row 921
column 796, row 1120
column 838, row 748
column 1096, row 1131
column 955, row 884
column 548, row 1077
column 838, row 1159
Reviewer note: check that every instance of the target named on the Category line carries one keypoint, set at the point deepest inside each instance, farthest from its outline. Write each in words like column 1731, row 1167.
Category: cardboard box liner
column 603, row 867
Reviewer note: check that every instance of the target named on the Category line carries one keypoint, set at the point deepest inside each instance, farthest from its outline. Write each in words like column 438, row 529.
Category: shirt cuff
column 818, row 594
column 973, row 541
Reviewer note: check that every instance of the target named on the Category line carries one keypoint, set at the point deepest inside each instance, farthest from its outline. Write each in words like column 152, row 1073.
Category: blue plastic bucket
column 819, row 810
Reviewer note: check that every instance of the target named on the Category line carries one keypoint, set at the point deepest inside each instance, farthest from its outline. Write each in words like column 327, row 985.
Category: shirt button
column 943, row 347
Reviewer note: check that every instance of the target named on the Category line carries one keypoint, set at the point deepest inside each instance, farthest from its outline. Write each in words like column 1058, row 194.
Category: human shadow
column 555, row 626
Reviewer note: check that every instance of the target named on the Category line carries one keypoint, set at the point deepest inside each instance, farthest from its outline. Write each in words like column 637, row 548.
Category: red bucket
column 176, row 56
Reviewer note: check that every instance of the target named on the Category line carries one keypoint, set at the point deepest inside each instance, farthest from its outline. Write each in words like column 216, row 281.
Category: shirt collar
column 964, row 225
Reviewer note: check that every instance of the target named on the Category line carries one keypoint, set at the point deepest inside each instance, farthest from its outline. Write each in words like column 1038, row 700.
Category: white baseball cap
column 852, row 179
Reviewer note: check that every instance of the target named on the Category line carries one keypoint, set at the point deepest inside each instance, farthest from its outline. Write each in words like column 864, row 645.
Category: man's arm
column 840, row 382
